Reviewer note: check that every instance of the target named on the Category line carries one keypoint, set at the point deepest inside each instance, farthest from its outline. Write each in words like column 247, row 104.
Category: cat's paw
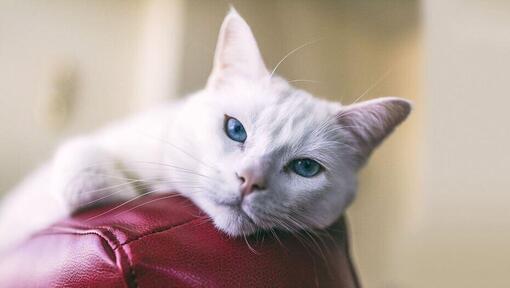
column 84, row 174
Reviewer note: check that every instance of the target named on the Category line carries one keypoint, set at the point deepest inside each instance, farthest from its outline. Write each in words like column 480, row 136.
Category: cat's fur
column 183, row 147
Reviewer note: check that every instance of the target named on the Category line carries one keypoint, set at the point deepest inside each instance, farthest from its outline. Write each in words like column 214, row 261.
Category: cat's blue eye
column 305, row 167
column 235, row 129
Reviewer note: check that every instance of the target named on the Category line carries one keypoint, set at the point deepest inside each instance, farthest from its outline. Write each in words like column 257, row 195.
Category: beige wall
column 463, row 236
column 70, row 66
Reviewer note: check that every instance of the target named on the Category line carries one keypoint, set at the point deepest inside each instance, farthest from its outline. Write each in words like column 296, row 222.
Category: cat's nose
column 252, row 179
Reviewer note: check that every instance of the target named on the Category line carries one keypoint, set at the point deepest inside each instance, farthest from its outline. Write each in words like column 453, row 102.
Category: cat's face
column 275, row 156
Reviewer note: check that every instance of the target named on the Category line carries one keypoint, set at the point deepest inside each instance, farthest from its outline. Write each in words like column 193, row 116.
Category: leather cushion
column 165, row 241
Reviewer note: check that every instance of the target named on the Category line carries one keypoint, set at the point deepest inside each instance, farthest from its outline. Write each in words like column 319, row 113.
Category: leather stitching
column 111, row 231
column 107, row 235
column 131, row 281
column 110, row 239
column 163, row 229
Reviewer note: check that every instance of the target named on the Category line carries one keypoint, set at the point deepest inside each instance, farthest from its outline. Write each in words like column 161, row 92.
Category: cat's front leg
column 83, row 173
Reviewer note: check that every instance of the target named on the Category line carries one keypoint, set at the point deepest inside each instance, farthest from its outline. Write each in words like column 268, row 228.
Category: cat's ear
column 237, row 54
column 369, row 122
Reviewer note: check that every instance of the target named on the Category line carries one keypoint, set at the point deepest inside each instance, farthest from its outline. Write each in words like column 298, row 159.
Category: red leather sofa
column 163, row 241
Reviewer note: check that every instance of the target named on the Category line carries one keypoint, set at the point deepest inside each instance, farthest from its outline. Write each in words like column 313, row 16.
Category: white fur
column 182, row 147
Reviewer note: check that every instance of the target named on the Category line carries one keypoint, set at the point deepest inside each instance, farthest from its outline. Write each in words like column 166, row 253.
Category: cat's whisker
column 314, row 236
column 257, row 235
column 179, row 168
column 297, row 232
column 149, row 202
column 292, row 52
column 155, row 179
column 309, row 241
column 162, row 165
column 105, row 196
column 305, row 232
column 146, row 182
column 304, row 81
column 275, row 235
column 129, row 201
column 112, row 187
column 86, row 170
column 205, row 220
column 121, row 205
column 180, row 150
column 249, row 246
column 138, row 187
column 171, row 167
column 376, row 83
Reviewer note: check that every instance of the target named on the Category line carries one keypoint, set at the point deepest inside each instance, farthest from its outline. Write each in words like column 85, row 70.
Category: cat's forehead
column 296, row 110
column 292, row 119
column 284, row 119
column 278, row 115
column 278, row 101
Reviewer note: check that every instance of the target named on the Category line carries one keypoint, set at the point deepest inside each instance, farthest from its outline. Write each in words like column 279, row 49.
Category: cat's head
column 273, row 155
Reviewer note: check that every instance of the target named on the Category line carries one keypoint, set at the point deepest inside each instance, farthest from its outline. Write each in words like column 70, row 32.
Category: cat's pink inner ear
column 237, row 54
column 371, row 121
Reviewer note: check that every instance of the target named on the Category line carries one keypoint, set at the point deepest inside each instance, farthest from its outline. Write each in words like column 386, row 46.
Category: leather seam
column 78, row 233
column 111, row 239
column 165, row 229
column 106, row 235
column 131, row 280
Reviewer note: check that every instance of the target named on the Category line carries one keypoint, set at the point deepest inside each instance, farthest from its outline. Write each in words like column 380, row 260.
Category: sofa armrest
column 166, row 241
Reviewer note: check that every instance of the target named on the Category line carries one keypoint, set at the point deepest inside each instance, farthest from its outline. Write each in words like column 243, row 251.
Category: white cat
column 249, row 149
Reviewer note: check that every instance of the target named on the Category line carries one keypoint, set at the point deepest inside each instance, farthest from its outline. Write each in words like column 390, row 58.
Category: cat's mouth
column 240, row 209
column 237, row 220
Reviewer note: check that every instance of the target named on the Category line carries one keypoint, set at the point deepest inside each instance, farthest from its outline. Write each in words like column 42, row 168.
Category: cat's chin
column 228, row 217
column 233, row 221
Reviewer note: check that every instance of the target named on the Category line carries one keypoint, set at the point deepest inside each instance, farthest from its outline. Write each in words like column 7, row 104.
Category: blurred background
column 434, row 204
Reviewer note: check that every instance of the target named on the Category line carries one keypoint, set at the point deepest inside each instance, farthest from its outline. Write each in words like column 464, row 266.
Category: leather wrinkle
column 109, row 237
column 61, row 230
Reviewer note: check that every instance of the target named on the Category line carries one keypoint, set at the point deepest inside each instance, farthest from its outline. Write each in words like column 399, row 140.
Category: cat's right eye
column 234, row 129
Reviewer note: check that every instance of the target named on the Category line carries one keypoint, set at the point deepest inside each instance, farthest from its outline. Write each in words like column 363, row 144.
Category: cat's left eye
column 305, row 167
column 234, row 129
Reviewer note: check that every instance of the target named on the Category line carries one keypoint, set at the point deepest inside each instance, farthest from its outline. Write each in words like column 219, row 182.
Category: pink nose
column 252, row 179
